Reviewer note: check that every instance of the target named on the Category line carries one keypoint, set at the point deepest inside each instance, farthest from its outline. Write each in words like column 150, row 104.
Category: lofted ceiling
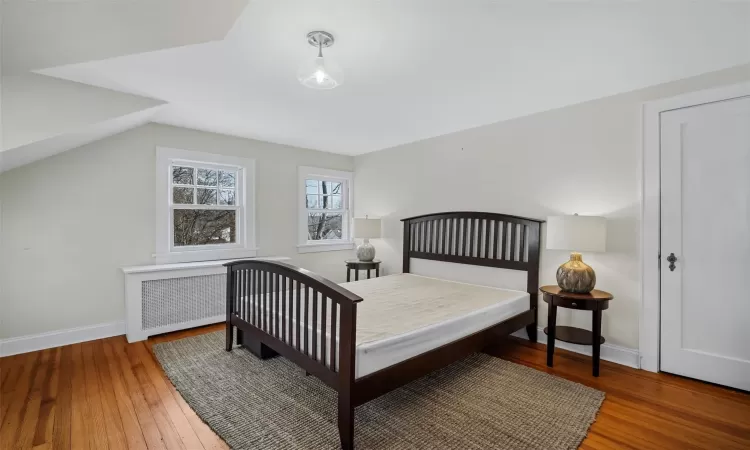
column 414, row 69
column 41, row 34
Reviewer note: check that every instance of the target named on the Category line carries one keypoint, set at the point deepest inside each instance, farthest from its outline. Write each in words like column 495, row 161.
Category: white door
column 705, row 223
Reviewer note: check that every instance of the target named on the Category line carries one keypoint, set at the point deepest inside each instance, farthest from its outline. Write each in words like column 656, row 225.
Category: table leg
column 356, row 274
column 597, row 330
column 377, row 272
column 348, row 274
column 368, row 274
column 551, row 325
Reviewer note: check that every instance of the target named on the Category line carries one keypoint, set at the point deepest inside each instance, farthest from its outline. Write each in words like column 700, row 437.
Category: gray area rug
column 481, row 402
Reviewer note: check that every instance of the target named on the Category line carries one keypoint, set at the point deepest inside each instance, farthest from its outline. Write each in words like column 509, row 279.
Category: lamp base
column 576, row 276
column 365, row 251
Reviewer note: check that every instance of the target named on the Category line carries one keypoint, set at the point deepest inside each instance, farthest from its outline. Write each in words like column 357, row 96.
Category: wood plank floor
column 111, row 394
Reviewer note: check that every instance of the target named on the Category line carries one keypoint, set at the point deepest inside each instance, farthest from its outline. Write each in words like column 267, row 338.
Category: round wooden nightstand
column 596, row 301
column 357, row 265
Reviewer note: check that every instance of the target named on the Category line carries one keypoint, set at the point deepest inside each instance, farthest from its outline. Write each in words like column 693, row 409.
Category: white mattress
column 405, row 315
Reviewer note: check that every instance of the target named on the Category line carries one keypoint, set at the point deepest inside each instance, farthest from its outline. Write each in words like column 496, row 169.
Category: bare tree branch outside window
column 200, row 225
column 204, row 227
column 322, row 196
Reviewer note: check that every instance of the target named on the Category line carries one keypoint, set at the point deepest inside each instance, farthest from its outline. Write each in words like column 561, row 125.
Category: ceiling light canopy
column 319, row 73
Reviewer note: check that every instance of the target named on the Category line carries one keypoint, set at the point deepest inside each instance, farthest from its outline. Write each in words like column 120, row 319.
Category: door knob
column 672, row 259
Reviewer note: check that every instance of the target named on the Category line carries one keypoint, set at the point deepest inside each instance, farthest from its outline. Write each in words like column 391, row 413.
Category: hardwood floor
column 646, row 410
column 111, row 394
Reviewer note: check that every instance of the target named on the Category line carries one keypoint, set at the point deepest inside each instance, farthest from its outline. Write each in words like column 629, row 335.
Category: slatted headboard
column 476, row 238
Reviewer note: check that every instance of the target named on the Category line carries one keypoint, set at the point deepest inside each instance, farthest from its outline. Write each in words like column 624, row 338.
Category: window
column 324, row 210
column 206, row 212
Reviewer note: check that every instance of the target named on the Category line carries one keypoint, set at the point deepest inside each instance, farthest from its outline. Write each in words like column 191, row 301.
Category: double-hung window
column 206, row 210
column 325, row 212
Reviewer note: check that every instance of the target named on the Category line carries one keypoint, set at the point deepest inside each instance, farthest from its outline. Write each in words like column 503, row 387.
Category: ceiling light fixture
column 317, row 74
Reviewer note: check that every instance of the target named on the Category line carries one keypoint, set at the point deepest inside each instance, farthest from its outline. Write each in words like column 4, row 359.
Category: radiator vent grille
column 177, row 300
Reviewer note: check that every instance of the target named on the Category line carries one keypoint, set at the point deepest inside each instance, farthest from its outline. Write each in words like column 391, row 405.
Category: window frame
column 244, row 247
column 339, row 176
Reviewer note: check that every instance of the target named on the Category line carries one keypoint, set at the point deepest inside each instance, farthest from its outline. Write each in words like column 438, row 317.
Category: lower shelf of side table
column 573, row 335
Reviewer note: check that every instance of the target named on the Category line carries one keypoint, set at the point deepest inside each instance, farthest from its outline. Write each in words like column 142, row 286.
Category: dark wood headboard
column 476, row 238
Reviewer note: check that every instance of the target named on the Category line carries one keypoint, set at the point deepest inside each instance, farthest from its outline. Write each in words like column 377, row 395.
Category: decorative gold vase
column 576, row 276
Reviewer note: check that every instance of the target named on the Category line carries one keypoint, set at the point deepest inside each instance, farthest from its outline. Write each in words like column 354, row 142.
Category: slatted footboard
column 292, row 312
column 281, row 309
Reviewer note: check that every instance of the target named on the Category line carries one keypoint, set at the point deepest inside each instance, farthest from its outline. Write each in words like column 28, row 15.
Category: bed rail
column 280, row 308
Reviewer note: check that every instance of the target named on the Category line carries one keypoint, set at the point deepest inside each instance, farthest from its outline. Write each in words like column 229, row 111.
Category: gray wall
column 70, row 222
column 578, row 159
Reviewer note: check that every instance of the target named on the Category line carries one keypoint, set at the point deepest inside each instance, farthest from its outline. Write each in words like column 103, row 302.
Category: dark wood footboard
column 281, row 309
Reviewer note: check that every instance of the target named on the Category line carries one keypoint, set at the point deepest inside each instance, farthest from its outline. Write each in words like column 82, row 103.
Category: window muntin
column 204, row 205
column 203, row 186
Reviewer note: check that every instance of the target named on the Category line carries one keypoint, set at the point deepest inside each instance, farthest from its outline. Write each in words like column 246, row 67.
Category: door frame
column 650, row 314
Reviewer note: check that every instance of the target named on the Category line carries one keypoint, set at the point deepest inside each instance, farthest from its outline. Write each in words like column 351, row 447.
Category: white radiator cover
column 170, row 297
column 173, row 301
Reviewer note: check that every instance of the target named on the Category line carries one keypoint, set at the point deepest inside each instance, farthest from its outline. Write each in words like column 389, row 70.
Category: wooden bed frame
column 475, row 238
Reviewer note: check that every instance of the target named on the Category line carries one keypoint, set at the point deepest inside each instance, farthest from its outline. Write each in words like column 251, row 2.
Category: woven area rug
column 481, row 402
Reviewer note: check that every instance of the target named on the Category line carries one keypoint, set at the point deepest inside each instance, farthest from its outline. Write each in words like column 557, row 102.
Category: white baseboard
column 24, row 344
column 142, row 335
column 34, row 342
column 609, row 352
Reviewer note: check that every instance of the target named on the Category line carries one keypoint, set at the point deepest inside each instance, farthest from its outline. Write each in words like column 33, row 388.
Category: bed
column 366, row 338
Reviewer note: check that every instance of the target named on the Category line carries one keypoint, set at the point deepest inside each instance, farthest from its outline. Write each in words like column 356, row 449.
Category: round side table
column 595, row 301
column 357, row 265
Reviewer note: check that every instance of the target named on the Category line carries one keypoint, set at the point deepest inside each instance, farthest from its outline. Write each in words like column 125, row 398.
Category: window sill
column 330, row 247
column 205, row 255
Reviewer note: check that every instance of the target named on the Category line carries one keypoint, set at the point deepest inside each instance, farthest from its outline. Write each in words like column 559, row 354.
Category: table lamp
column 366, row 229
column 578, row 234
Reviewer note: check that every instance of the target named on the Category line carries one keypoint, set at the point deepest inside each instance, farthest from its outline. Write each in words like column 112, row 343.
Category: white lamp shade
column 367, row 228
column 577, row 233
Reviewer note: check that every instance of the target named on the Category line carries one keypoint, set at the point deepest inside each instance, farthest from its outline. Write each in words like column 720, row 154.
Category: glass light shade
column 319, row 74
